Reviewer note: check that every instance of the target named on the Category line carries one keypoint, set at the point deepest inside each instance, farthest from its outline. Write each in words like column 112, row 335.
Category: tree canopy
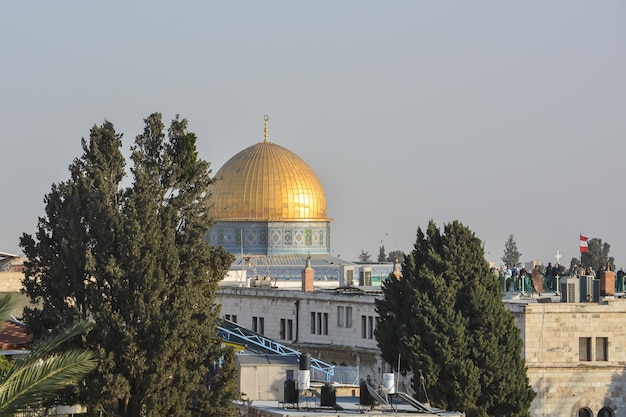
column 395, row 255
column 597, row 255
column 511, row 255
column 381, row 254
column 365, row 256
column 445, row 318
column 134, row 261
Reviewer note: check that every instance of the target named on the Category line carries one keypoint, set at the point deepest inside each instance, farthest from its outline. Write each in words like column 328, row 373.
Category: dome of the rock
column 267, row 200
column 267, row 182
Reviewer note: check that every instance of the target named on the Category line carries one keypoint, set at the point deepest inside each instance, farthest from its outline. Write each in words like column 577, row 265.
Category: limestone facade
column 576, row 356
column 575, row 352
column 333, row 326
column 11, row 282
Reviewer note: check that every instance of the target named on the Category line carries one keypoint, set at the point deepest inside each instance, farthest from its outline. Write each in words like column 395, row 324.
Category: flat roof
column 310, row 407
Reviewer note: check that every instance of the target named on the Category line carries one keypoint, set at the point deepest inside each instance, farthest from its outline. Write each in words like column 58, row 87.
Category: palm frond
column 45, row 346
column 29, row 382
column 38, row 375
column 7, row 305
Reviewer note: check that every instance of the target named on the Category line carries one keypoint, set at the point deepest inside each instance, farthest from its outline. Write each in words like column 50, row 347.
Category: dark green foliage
column 134, row 260
column 5, row 365
column 511, row 254
column 597, row 255
column 381, row 254
column 364, row 256
column 395, row 255
column 445, row 317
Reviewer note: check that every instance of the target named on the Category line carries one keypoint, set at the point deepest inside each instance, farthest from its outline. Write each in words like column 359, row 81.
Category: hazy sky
column 507, row 116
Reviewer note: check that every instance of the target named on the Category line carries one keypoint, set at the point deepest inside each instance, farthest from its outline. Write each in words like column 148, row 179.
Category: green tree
column 395, row 254
column 364, row 256
column 445, row 318
column 39, row 375
column 511, row 254
column 597, row 255
column 135, row 262
column 381, row 254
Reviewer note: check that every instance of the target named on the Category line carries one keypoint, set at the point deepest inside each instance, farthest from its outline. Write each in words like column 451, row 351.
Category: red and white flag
column 583, row 244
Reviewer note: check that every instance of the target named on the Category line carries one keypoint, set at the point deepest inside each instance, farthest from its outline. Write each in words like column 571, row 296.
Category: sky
column 509, row 117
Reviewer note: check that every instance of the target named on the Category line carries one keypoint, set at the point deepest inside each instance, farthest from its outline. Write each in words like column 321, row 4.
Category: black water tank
column 291, row 392
column 365, row 398
column 305, row 362
column 328, row 396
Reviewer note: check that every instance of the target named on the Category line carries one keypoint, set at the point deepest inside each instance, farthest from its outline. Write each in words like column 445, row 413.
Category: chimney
column 396, row 270
column 308, row 273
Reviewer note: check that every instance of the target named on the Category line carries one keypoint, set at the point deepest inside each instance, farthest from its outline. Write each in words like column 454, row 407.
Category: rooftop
column 309, row 406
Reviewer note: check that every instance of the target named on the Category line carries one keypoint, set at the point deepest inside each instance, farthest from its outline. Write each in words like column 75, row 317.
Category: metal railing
column 229, row 329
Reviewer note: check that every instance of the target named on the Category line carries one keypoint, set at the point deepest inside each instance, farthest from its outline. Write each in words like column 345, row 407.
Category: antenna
column 398, row 377
column 423, row 383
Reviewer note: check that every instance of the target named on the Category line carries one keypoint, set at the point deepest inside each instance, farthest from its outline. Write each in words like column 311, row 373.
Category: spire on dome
column 266, row 118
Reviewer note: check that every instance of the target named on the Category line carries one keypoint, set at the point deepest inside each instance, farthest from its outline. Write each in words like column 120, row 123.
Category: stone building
column 574, row 351
column 575, row 356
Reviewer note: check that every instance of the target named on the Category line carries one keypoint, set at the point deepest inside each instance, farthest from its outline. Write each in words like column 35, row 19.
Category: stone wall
column 334, row 340
column 10, row 282
column 575, row 355
column 551, row 333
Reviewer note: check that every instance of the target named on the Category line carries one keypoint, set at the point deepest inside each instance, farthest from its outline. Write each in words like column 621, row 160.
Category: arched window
column 584, row 412
column 606, row 412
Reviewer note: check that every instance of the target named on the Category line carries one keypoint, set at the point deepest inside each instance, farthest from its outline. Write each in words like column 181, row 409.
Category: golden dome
column 267, row 182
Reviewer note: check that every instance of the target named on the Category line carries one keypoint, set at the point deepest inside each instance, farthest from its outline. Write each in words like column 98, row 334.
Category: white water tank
column 304, row 379
column 389, row 383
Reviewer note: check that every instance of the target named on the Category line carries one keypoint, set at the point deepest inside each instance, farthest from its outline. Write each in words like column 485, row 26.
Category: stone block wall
column 576, row 356
column 11, row 282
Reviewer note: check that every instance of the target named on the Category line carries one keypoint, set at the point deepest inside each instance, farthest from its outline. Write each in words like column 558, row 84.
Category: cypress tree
column 136, row 263
column 445, row 318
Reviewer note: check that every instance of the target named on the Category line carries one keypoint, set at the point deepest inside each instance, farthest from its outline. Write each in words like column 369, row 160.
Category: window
column 286, row 329
column 606, row 412
column 365, row 277
column 349, row 277
column 367, row 327
column 584, row 412
column 344, row 316
column 363, row 327
column 584, row 349
column 258, row 325
column 289, row 374
column 602, row 348
column 319, row 323
column 232, row 318
column 340, row 316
